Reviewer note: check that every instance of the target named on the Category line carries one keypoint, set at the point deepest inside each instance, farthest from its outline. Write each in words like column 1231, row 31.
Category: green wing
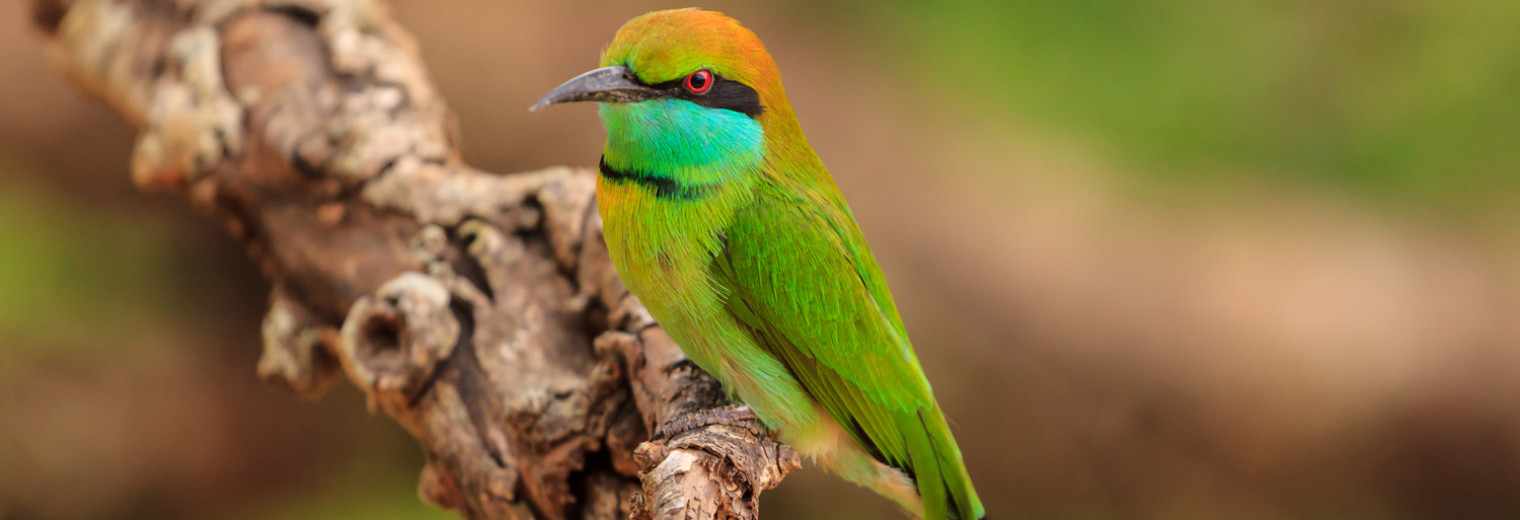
column 801, row 276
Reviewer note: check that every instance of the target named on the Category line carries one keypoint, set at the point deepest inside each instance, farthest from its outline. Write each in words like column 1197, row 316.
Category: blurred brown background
column 1193, row 259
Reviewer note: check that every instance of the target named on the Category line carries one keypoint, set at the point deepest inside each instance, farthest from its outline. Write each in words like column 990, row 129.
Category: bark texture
column 480, row 311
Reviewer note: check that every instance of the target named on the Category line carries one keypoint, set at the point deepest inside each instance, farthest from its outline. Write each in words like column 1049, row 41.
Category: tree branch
column 479, row 311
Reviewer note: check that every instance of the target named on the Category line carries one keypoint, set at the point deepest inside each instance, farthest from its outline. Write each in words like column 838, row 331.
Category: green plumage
column 729, row 228
column 800, row 275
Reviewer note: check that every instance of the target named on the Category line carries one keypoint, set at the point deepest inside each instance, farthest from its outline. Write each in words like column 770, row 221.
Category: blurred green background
column 1169, row 260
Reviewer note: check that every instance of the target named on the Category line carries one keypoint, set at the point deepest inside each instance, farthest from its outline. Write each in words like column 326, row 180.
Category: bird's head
column 688, row 91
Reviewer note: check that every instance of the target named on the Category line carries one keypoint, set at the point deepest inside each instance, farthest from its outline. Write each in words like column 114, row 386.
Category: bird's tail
column 943, row 482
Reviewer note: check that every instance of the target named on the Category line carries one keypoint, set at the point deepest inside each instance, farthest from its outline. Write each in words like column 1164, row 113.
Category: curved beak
column 614, row 84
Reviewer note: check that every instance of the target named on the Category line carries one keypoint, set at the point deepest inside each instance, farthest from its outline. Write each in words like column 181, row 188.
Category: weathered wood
column 479, row 311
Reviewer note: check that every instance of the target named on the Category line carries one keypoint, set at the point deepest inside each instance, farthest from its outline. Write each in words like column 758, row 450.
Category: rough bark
column 480, row 311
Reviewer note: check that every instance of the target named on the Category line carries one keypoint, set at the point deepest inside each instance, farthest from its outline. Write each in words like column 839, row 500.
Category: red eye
column 699, row 82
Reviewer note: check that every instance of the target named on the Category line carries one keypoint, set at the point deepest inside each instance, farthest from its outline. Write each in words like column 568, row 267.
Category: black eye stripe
column 724, row 93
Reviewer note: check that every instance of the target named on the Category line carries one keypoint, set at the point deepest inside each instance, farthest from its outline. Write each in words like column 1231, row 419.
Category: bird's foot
column 736, row 414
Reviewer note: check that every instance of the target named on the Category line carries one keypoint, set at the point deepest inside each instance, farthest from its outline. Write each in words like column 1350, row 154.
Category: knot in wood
column 392, row 342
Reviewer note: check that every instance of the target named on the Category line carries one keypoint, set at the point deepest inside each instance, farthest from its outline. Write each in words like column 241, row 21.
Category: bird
column 721, row 218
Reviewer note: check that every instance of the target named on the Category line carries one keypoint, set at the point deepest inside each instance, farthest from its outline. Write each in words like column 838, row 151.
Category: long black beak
column 614, row 84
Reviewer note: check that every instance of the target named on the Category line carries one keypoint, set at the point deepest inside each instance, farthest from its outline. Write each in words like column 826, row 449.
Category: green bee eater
column 723, row 221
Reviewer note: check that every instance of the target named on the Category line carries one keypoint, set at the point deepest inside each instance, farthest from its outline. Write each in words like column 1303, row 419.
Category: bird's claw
column 737, row 414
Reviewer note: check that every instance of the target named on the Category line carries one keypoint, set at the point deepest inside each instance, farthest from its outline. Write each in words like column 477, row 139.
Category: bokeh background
column 1191, row 259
